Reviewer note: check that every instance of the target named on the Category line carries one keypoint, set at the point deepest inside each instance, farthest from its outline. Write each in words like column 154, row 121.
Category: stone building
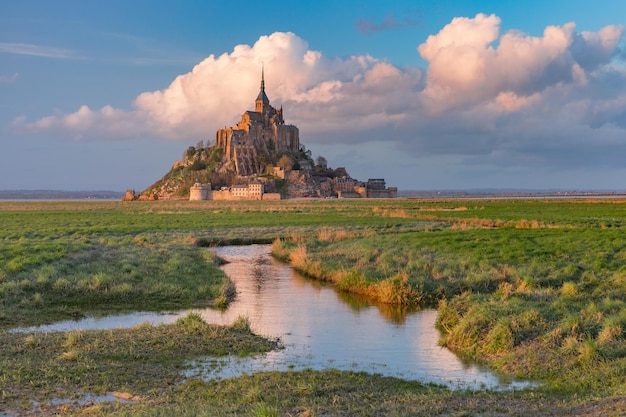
column 252, row 191
column 377, row 188
column 199, row 192
column 255, row 190
column 260, row 131
column 343, row 184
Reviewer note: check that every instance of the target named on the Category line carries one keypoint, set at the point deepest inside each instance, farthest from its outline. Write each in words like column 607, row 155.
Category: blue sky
column 427, row 94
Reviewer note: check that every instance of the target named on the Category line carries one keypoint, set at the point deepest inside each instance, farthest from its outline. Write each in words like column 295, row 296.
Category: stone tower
column 200, row 191
column 262, row 131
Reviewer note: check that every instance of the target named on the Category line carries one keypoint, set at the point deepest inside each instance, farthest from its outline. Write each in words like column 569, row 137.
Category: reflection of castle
column 259, row 132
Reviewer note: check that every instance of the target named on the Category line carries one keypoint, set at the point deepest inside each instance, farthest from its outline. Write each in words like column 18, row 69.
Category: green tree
column 285, row 162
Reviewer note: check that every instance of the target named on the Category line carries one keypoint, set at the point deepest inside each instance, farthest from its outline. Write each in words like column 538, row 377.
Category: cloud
column 466, row 67
column 220, row 88
column 36, row 50
column 522, row 99
column 86, row 124
column 389, row 22
column 9, row 79
column 501, row 99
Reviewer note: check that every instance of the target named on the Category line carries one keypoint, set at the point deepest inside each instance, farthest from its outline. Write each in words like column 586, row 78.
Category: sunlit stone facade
column 260, row 131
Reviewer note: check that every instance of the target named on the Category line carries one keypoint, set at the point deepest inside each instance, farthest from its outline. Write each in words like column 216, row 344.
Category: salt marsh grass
column 514, row 280
column 139, row 360
column 531, row 288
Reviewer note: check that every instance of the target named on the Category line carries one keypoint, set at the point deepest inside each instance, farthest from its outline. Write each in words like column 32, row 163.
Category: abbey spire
column 262, row 102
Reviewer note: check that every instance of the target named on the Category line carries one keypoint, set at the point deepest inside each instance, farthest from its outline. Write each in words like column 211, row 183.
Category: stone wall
column 391, row 192
column 271, row 197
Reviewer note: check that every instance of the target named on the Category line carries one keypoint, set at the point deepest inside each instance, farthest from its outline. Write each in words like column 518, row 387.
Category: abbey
column 260, row 132
column 260, row 158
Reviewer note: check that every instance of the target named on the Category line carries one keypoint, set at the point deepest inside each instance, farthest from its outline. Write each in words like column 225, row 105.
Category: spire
column 262, row 102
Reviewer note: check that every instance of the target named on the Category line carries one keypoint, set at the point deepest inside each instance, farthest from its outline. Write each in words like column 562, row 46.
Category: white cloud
column 219, row 89
column 506, row 98
column 467, row 67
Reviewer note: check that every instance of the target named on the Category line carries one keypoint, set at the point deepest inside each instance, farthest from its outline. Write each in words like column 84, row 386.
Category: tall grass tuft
column 264, row 410
column 587, row 351
column 447, row 317
column 299, row 259
column 37, row 299
column 242, row 324
column 568, row 289
column 398, row 290
column 228, row 292
column 610, row 333
column 72, row 339
column 332, row 235
column 192, row 323
column 353, row 280
column 325, row 235
column 279, row 250
column 32, row 340
column 70, row 355
column 500, row 338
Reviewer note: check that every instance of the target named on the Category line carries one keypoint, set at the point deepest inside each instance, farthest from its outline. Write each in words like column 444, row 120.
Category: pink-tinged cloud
column 508, row 97
column 219, row 89
column 467, row 67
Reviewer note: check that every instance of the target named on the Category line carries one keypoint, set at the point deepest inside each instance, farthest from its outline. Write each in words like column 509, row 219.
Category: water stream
column 319, row 328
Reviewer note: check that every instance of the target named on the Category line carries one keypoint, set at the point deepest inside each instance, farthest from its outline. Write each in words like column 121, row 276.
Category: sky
column 430, row 95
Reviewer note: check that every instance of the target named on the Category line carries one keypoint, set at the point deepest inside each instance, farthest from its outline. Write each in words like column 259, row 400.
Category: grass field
column 534, row 288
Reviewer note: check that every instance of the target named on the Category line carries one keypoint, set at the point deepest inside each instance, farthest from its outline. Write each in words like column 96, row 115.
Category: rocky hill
column 292, row 175
column 261, row 147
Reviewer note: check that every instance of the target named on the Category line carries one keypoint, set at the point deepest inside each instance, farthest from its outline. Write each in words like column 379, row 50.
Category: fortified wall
column 376, row 188
column 253, row 191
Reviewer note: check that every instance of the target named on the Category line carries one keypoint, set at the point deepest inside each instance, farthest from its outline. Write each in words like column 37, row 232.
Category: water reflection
column 322, row 328
column 319, row 328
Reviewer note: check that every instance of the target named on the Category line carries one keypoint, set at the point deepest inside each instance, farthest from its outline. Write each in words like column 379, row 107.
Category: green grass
column 112, row 274
column 533, row 288
column 540, row 298
column 145, row 360
column 332, row 393
column 68, row 259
